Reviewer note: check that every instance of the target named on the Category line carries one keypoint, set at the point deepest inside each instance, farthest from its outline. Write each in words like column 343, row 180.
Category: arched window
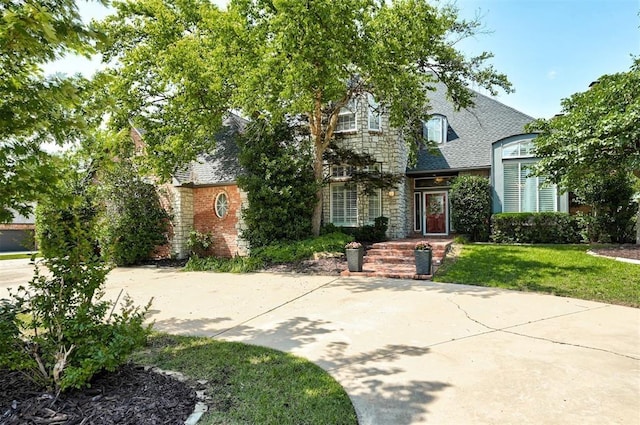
column 435, row 130
column 221, row 205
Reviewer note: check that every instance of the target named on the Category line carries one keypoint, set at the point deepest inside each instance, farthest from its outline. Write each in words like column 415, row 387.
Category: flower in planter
column 353, row 245
column 422, row 246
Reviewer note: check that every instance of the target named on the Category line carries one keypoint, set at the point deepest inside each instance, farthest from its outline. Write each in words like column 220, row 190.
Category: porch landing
column 394, row 259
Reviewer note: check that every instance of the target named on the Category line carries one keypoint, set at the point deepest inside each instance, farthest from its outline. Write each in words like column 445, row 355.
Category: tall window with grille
column 524, row 192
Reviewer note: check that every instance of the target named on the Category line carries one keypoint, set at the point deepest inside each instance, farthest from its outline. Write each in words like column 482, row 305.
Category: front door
column 436, row 213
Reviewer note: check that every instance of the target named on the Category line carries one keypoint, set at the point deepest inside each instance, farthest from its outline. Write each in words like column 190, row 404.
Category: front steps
column 394, row 259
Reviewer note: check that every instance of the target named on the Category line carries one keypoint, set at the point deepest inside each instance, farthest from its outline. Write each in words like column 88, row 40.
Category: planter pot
column 423, row 261
column 355, row 258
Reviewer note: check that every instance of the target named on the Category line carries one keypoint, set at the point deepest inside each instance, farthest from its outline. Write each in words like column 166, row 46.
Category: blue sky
column 549, row 49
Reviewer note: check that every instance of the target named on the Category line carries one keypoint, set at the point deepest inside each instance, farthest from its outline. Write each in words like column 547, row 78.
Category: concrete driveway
column 411, row 352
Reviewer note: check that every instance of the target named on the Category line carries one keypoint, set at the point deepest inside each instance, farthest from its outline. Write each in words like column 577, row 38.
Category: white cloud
column 551, row 75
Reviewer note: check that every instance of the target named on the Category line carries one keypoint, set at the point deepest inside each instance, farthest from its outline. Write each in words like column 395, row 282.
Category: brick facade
column 226, row 230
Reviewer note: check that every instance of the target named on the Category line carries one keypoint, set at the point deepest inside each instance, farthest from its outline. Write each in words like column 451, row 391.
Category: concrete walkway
column 412, row 352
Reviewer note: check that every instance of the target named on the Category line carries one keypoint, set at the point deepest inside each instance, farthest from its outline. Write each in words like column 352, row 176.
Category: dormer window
column 435, row 130
column 347, row 118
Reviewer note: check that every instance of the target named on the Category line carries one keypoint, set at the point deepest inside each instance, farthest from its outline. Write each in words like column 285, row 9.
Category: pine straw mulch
column 130, row 395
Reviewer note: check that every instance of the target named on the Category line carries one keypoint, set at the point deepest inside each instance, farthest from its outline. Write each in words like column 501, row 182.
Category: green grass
column 250, row 384
column 17, row 256
column 564, row 270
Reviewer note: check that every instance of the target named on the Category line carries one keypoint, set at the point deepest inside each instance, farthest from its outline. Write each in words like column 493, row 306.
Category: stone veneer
column 388, row 148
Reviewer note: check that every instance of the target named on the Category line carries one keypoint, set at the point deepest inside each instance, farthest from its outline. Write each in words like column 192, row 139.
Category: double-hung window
column 344, row 205
column 347, row 118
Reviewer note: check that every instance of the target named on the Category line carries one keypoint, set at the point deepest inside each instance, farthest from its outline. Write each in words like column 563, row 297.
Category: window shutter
column 547, row 197
column 511, row 202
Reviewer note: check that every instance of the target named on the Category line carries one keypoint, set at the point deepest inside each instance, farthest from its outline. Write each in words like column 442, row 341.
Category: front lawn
column 564, row 270
column 253, row 385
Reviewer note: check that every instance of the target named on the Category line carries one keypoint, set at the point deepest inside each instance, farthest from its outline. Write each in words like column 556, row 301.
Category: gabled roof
column 471, row 132
column 219, row 166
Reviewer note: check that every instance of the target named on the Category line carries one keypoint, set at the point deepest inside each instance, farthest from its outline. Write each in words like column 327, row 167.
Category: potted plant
column 355, row 256
column 422, row 253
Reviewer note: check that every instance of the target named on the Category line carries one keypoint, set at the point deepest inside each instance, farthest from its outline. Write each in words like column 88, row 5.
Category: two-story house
column 488, row 140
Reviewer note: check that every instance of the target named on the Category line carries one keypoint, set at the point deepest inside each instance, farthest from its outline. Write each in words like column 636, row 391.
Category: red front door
column 436, row 213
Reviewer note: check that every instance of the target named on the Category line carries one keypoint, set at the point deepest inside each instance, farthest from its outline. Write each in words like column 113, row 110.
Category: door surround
column 425, row 209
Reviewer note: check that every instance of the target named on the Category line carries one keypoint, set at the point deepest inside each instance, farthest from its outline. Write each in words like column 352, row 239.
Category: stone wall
column 388, row 148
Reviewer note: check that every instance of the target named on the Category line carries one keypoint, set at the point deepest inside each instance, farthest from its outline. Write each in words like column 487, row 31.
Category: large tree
column 34, row 108
column 184, row 62
column 597, row 134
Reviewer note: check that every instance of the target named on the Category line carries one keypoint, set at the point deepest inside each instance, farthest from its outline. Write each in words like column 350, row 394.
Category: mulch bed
column 322, row 266
column 629, row 251
column 130, row 395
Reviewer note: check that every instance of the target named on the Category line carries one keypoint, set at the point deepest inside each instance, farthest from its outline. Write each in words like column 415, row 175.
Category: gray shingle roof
column 471, row 132
column 219, row 166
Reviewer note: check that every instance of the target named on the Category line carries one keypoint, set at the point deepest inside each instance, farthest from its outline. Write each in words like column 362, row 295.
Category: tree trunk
column 316, row 219
column 638, row 225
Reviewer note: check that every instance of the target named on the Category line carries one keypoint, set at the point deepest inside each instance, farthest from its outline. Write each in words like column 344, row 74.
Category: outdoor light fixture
column 392, row 193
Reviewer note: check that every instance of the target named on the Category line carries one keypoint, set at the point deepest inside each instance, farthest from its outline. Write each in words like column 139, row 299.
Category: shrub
column 59, row 221
column 301, row 250
column 278, row 178
column 470, row 198
column 134, row 223
column 58, row 330
column 611, row 218
column 199, row 243
column 368, row 233
column 224, row 265
column 546, row 227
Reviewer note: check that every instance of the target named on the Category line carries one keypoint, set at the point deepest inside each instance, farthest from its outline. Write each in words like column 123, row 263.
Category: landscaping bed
column 130, row 395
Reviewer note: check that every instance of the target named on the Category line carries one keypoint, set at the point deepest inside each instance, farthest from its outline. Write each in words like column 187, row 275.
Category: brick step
column 377, row 252
column 395, row 259
column 388, row 260
column 398, row 260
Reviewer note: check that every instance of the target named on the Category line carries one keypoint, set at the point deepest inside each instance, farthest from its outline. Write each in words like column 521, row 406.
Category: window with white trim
column 347, row 118
column 526, row 193
column 375, row 206
column 374, row 113
column 221, row 205
column 342, row 171
column 435, row 130
column 344, row 205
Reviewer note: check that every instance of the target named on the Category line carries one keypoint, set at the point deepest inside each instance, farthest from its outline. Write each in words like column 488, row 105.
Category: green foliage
column 611, row 218
column 470, row 198
column 223, row 265
column 367, row 233
column 35, row 108
column 545, row 227
column 59, row 330
column 182, row 64
column 199, row 243
column 258, row 385
column 563, row 270
column 72, row 212
column 597, row 132
column 367, row 174
column 134, row 222
column 301, row 250
column 279, row 182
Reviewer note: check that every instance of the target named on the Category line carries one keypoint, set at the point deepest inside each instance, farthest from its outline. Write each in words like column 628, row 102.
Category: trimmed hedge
column 545, row 227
